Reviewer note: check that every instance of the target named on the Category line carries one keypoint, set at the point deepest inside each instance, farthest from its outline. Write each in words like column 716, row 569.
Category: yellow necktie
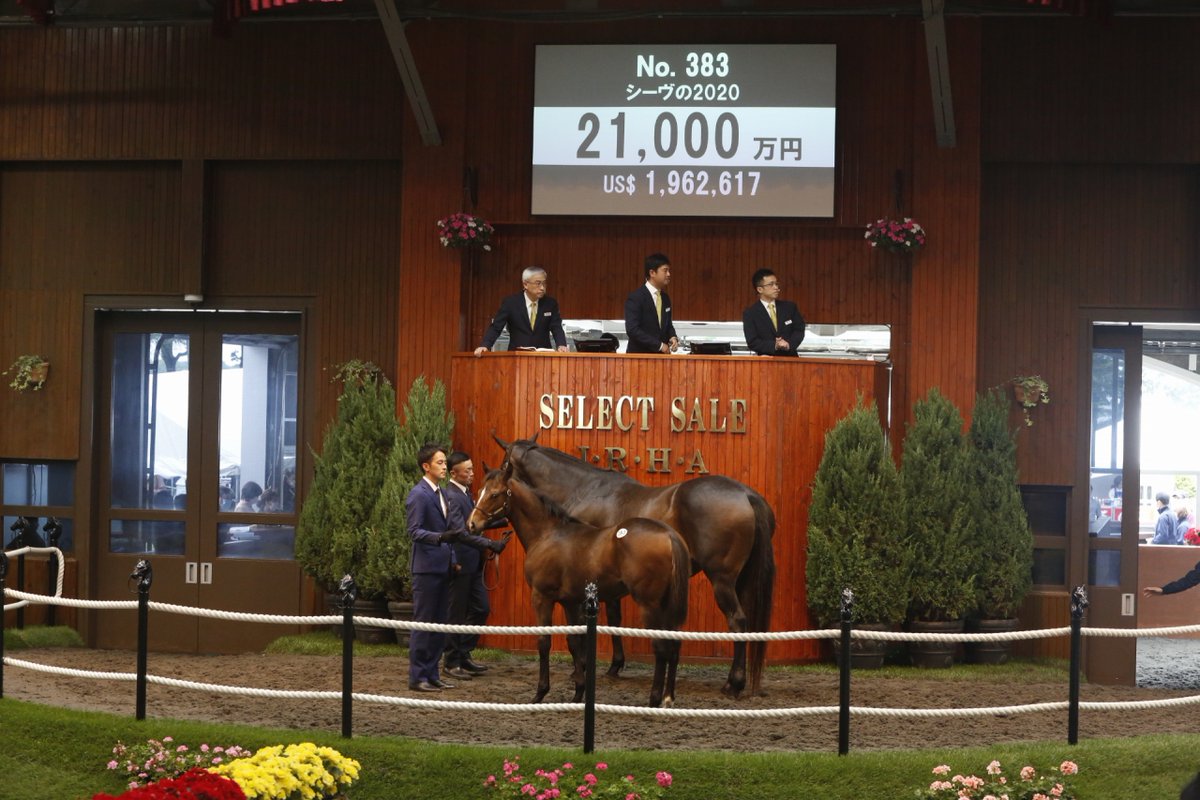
column 771, row 311
column 658, row 307
column 532, row 314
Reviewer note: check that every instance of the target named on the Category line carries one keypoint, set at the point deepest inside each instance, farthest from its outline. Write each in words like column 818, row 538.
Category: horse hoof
column 613, row 672
column 668, row 701
column 729, row 691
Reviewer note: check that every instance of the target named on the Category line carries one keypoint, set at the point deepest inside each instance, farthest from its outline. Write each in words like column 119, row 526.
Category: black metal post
column 53, row 531
column 20, row 526
column 591, row 609
column 1079, row 602
column 844, row 675
column 3, row 575
column 144, row 575
column 349, row 595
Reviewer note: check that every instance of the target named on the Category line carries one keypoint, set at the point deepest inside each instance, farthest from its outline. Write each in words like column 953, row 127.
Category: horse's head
column 493, row 498
column 514, row 452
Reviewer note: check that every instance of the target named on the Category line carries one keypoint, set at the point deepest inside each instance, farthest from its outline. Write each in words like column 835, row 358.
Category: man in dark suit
column 468, row 595
column 432, row 524
column 530, row 316
column 648, row 311
column 773, row 327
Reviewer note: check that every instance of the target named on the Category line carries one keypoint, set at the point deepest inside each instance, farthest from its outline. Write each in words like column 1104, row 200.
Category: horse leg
column 543, row 668
column 579, row 657
column 661, row 649
column 672, row 665
column 612, row 615
column 735, row 618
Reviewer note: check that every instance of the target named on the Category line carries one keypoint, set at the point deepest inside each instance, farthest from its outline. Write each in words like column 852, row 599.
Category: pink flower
column 1068, row 768
column 568, row 765
column 941, row 769
column 589, row 779
column 938, row 786
column 112, row 765
column 1057, row 790
column 601, row 765
column 584, row 791
column 664, row 779
column 1027, row 773
column 993, row 768
column 491, row 781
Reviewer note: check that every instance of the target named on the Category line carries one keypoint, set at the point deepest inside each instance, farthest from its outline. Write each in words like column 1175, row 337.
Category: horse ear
column 486, row 468
column 503, row 444
column 535, row 435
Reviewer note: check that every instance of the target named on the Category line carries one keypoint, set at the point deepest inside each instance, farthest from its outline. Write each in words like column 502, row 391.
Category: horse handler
column 468, row 595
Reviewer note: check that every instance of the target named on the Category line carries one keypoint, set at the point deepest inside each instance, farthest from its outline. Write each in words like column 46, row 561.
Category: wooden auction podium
column 663, row 419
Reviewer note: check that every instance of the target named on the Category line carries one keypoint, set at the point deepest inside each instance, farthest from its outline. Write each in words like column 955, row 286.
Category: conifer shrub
column 1002, row 543
column 336, row 520
column 854, row 536
column 936, row 511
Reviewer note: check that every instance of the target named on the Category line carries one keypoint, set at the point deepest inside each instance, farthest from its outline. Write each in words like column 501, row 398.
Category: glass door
column 197, row 472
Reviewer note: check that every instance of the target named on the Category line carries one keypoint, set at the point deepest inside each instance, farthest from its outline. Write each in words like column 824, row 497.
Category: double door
column 198, row 427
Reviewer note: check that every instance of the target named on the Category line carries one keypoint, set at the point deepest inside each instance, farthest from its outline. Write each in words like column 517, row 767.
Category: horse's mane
column 561, row 457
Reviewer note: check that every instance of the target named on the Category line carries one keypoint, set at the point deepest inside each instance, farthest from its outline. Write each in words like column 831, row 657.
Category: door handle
column 189, row 572
column 206, row 572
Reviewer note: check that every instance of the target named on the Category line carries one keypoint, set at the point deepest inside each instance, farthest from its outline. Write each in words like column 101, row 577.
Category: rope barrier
column 1072, row 705
column 58, row 585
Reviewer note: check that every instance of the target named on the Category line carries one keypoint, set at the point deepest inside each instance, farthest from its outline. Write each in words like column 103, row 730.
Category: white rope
column 58, row 585
column 1128, row 633
column 71, row 602
column 694, row 713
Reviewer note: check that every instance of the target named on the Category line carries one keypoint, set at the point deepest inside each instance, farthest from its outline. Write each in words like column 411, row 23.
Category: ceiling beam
column 939, row 72
column 393, row 26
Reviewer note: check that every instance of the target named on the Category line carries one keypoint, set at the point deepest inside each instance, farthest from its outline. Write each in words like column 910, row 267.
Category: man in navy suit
column 432, row 524
column 773, row 327
column 468, row 596
column 530, row 316
column 648, row 311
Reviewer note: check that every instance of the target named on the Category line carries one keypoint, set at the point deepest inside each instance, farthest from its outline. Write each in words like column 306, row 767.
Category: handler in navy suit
column 530, row 316
column 432, row 524
column 468, row 596
column 648, row 311
column 773, row 327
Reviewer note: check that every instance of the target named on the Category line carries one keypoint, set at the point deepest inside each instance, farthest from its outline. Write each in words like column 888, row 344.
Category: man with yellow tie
column 648, row 311
column 773, row 327
column 531, row 317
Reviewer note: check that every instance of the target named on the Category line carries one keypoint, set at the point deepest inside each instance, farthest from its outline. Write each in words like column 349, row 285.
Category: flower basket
column 29, row 373
column 465, row 230
column 896, row 236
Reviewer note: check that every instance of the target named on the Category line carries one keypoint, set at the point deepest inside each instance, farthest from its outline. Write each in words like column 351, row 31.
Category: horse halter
column 501, row 510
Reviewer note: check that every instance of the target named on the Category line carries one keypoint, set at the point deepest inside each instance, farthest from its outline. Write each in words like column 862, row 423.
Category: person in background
column 225, row 498
column 531, row 317
column 1182, row 524
column 268, row 501
column 648, row 323
column 468, row 595
column 1166, row 528
column 433, row 525
column 251, row 491
column 773, row 327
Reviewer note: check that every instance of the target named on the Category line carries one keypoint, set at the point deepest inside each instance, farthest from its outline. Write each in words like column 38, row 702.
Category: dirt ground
column 512, row 679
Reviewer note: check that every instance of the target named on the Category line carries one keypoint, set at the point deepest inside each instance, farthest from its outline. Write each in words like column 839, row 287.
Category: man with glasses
column 530, row 316
column 773, row 327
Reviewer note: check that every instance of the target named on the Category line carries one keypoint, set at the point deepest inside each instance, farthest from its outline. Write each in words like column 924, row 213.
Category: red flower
column 195, row 784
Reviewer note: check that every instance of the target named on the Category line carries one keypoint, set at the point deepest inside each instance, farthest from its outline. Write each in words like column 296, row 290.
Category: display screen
column 685, row 130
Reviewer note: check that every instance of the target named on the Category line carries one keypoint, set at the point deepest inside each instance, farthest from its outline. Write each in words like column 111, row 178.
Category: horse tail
column 681, row 573
column 755, row 587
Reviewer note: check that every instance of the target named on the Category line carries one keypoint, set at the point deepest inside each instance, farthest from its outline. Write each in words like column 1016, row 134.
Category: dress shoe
column 424, row 686
column 458, row 672
column 474, row 667
column 443, row 684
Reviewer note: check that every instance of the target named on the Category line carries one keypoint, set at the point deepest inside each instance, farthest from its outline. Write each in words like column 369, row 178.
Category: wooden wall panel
column 300, row 90
column 319, row 230
column 1063, row 238
column 790, row 404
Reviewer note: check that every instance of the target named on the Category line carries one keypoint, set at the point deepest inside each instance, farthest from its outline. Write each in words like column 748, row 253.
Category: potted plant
column 29, row 372
column 1000, row 537
column 1030, row 391
column 852, row 533
column 342, row 505
column 386, row 569
column 896, row 236
column 465, row 230
column 932, row 480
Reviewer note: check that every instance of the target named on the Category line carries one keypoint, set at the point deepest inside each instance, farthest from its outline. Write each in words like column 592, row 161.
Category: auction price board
column 687, row 130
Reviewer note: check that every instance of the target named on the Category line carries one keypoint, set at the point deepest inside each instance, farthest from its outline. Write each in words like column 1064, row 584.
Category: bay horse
column 727, row 526
column 642, row 558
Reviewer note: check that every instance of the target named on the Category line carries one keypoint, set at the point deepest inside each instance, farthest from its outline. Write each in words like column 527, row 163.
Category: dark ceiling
column 136, row 12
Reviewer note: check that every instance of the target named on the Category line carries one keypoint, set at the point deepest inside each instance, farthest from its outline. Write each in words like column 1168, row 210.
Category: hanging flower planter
column 465, row 230
column 896, row 236
column 29, row 373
